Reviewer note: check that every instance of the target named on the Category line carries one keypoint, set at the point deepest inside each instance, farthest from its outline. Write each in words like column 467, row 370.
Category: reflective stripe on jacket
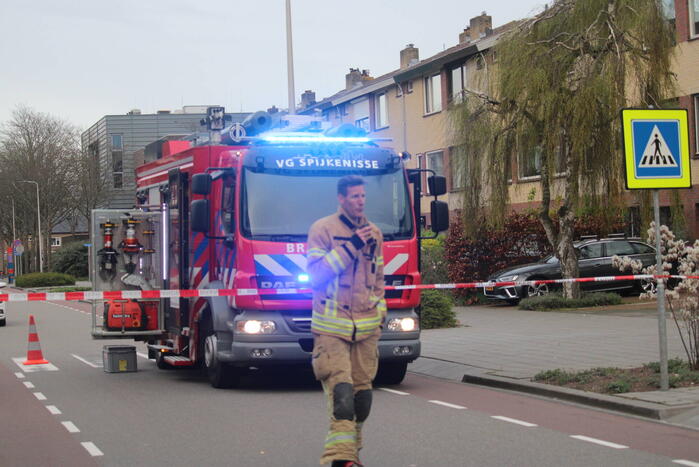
column 346, row 277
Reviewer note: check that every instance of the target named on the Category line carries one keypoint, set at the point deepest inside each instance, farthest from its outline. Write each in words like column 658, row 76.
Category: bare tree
column 41, row 148
column 562, row 77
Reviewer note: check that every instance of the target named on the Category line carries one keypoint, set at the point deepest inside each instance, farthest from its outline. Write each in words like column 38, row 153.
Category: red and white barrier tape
column 188, row 293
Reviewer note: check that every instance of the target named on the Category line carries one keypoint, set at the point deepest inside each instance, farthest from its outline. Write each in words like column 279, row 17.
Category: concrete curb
column 640, row 408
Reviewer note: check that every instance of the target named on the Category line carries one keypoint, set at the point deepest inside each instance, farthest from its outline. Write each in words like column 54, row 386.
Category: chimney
column 481, row 26
column 465, row 36
column 409, row 56
column 353, row 78
column 308, row 98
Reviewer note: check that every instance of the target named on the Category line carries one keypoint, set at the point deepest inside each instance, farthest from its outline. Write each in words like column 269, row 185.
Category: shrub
column 436, row 310
column 44, row 279
column 555, row 301
column 618, row 387
column 433, row 268
column 71, row 259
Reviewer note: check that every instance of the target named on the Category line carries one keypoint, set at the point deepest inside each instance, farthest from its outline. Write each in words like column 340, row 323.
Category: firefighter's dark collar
column 347, row 220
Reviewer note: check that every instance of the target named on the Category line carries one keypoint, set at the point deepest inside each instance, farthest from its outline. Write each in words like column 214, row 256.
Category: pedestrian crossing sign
column 656, row 148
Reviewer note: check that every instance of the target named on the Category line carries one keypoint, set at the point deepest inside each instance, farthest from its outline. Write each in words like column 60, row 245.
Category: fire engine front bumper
column 288, row 346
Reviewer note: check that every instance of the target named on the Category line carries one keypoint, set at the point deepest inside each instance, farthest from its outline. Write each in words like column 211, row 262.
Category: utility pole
column 290, row 60
column 38, row 220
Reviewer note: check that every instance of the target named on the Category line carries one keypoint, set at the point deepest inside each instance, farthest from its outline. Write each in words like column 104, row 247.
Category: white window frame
column 433, row 97
column 428, row 162
column 458, row 96
column 56, row 241
column 693, row 32
column 381, row 118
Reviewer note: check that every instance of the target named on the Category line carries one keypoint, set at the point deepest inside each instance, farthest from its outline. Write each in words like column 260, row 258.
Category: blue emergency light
column 303, row 278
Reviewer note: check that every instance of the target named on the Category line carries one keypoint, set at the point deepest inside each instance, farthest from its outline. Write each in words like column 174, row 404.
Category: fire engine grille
column 298, row 323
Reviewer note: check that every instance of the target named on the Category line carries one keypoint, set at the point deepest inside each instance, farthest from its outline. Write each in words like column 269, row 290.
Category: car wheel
column 391, row 373
column 648, row 286
column 536, row 290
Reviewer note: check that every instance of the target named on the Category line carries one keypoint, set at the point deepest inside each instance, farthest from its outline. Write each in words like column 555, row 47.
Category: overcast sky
column 82, row 59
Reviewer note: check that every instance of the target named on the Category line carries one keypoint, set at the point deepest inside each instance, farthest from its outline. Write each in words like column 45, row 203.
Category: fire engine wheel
column 160, row 361
column 220, row 374
column 391, row 373
column 2, row 322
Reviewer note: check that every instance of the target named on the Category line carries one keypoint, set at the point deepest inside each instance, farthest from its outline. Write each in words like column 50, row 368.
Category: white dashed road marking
column 33, row 368
column 393, row 391
column 28, row 384
column 70, row 426
column 40, row 396
column 685, row 462
column 53, row 409
column 515, row 421
column 92, row 449
column 447, row 404
column 19, row 375
column 601, row 442
column 77, row 357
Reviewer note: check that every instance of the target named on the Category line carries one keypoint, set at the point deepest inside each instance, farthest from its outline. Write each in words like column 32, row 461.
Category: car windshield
column 281, row 207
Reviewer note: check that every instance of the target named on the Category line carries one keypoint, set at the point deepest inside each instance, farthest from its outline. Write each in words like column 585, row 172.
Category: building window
column 458, row 84
column 360, row 110
column 530, row 164
column 363, row 123
column 457, row 168
column 55, row 241
column 93, row 150
column 435, row 161
column 381, row 111
column 696, row 123
column 118, row 180
column 117, row 142
column 480, row 63
column 409, row 87
column 433, row 94
column 694, row 18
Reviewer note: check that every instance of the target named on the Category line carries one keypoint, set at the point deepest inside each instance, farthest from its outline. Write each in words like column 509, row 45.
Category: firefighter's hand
column 364, row 233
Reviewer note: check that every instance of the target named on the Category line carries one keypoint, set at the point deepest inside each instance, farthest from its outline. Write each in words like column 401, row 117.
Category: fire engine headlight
column 254, row 326
column 402, row 324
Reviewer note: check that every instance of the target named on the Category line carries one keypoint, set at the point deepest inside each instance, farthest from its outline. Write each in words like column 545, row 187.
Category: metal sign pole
column 662, row 323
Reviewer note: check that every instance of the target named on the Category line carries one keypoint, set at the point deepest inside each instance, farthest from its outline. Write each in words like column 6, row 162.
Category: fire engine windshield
column 282, row 207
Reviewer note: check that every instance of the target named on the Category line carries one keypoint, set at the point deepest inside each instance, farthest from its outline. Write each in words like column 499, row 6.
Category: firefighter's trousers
column 346, row 370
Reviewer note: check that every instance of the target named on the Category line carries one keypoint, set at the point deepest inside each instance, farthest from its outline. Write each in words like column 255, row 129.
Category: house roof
column 63, row 227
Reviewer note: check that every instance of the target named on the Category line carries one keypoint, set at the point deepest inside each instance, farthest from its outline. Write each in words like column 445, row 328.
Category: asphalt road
column 174, row 418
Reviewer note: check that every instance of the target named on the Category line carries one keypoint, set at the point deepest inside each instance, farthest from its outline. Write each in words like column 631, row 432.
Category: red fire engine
column 231, row 210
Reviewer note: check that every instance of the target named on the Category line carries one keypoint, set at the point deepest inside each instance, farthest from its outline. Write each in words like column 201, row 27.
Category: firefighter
column 345, row 263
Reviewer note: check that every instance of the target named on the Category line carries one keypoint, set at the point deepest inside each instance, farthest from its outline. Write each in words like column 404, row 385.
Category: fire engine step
column 176, row 360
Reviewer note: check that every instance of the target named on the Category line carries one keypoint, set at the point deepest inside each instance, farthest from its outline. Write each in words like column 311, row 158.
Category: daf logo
column 277, row 285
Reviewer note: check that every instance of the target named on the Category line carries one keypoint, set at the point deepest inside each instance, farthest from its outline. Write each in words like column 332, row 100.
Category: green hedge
column 44, row 279
column 436, row 310
column 555, row 301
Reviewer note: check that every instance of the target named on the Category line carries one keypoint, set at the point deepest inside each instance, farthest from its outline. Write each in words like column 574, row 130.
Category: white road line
column 142, row 355
column 393, row 391
column 53, row 409
column 28, row 384
column 514, row 420
column 40, row 396
column 70, row 426
column 92, row 449
column 685, row 462
column 599, row 441
column 447, row 404
column 77, row 357
column 19, row 361
column 19, row 375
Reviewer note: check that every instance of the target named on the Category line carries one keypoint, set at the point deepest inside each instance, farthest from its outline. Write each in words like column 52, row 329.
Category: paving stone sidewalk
column 505, row 342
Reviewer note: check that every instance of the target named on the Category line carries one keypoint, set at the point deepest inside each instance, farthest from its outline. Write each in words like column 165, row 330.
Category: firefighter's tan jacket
column 346, row 277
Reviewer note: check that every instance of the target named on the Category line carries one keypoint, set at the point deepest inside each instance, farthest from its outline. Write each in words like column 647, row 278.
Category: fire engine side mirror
column 201, row 184
column 199, row 216
column 439, row 212
column 437, row 185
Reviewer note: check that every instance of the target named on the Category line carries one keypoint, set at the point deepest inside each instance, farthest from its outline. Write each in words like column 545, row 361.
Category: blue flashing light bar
column 303, row 278
column 315, row 139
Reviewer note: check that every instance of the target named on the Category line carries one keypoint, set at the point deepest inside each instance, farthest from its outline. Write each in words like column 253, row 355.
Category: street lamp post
column 38, row 220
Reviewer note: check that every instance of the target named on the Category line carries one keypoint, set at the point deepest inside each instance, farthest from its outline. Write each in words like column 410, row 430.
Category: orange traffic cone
column 34, row 355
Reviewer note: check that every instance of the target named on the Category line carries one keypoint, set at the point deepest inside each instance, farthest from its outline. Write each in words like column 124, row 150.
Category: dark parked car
column 594, row 260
